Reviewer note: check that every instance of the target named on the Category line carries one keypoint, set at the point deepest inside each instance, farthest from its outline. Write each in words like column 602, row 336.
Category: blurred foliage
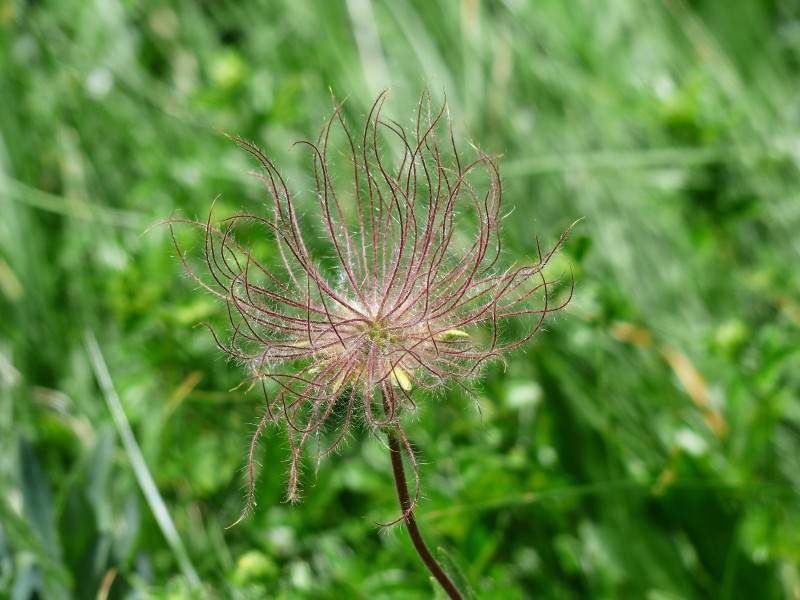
column 646, row 445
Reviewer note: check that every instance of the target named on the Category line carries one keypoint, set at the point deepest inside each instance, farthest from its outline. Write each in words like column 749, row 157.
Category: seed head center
column 376, row 330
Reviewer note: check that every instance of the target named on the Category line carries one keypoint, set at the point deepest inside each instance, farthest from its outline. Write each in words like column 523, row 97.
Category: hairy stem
column 395, row 449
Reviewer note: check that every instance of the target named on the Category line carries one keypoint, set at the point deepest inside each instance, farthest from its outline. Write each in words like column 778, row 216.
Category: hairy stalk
column 395, row 449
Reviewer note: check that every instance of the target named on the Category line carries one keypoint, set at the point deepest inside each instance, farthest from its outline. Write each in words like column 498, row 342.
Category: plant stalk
column 395, row 449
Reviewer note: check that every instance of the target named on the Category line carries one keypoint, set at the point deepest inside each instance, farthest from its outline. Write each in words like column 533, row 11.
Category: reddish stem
column 396, row 451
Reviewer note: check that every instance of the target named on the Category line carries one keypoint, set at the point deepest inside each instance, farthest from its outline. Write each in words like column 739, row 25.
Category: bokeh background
column 645, row 445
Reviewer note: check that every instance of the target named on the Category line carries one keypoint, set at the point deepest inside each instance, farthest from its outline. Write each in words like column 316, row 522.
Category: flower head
column 407, row 294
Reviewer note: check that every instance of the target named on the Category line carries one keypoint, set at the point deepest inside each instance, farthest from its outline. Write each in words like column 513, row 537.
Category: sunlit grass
column 645, row 445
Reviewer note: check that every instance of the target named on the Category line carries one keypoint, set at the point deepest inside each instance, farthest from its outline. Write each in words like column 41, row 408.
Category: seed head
column 406, row 297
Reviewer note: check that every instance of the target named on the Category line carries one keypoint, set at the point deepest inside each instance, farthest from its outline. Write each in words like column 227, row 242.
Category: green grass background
column 646, row 445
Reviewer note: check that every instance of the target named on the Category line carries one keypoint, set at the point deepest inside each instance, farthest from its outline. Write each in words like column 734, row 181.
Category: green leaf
column 455, row 573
